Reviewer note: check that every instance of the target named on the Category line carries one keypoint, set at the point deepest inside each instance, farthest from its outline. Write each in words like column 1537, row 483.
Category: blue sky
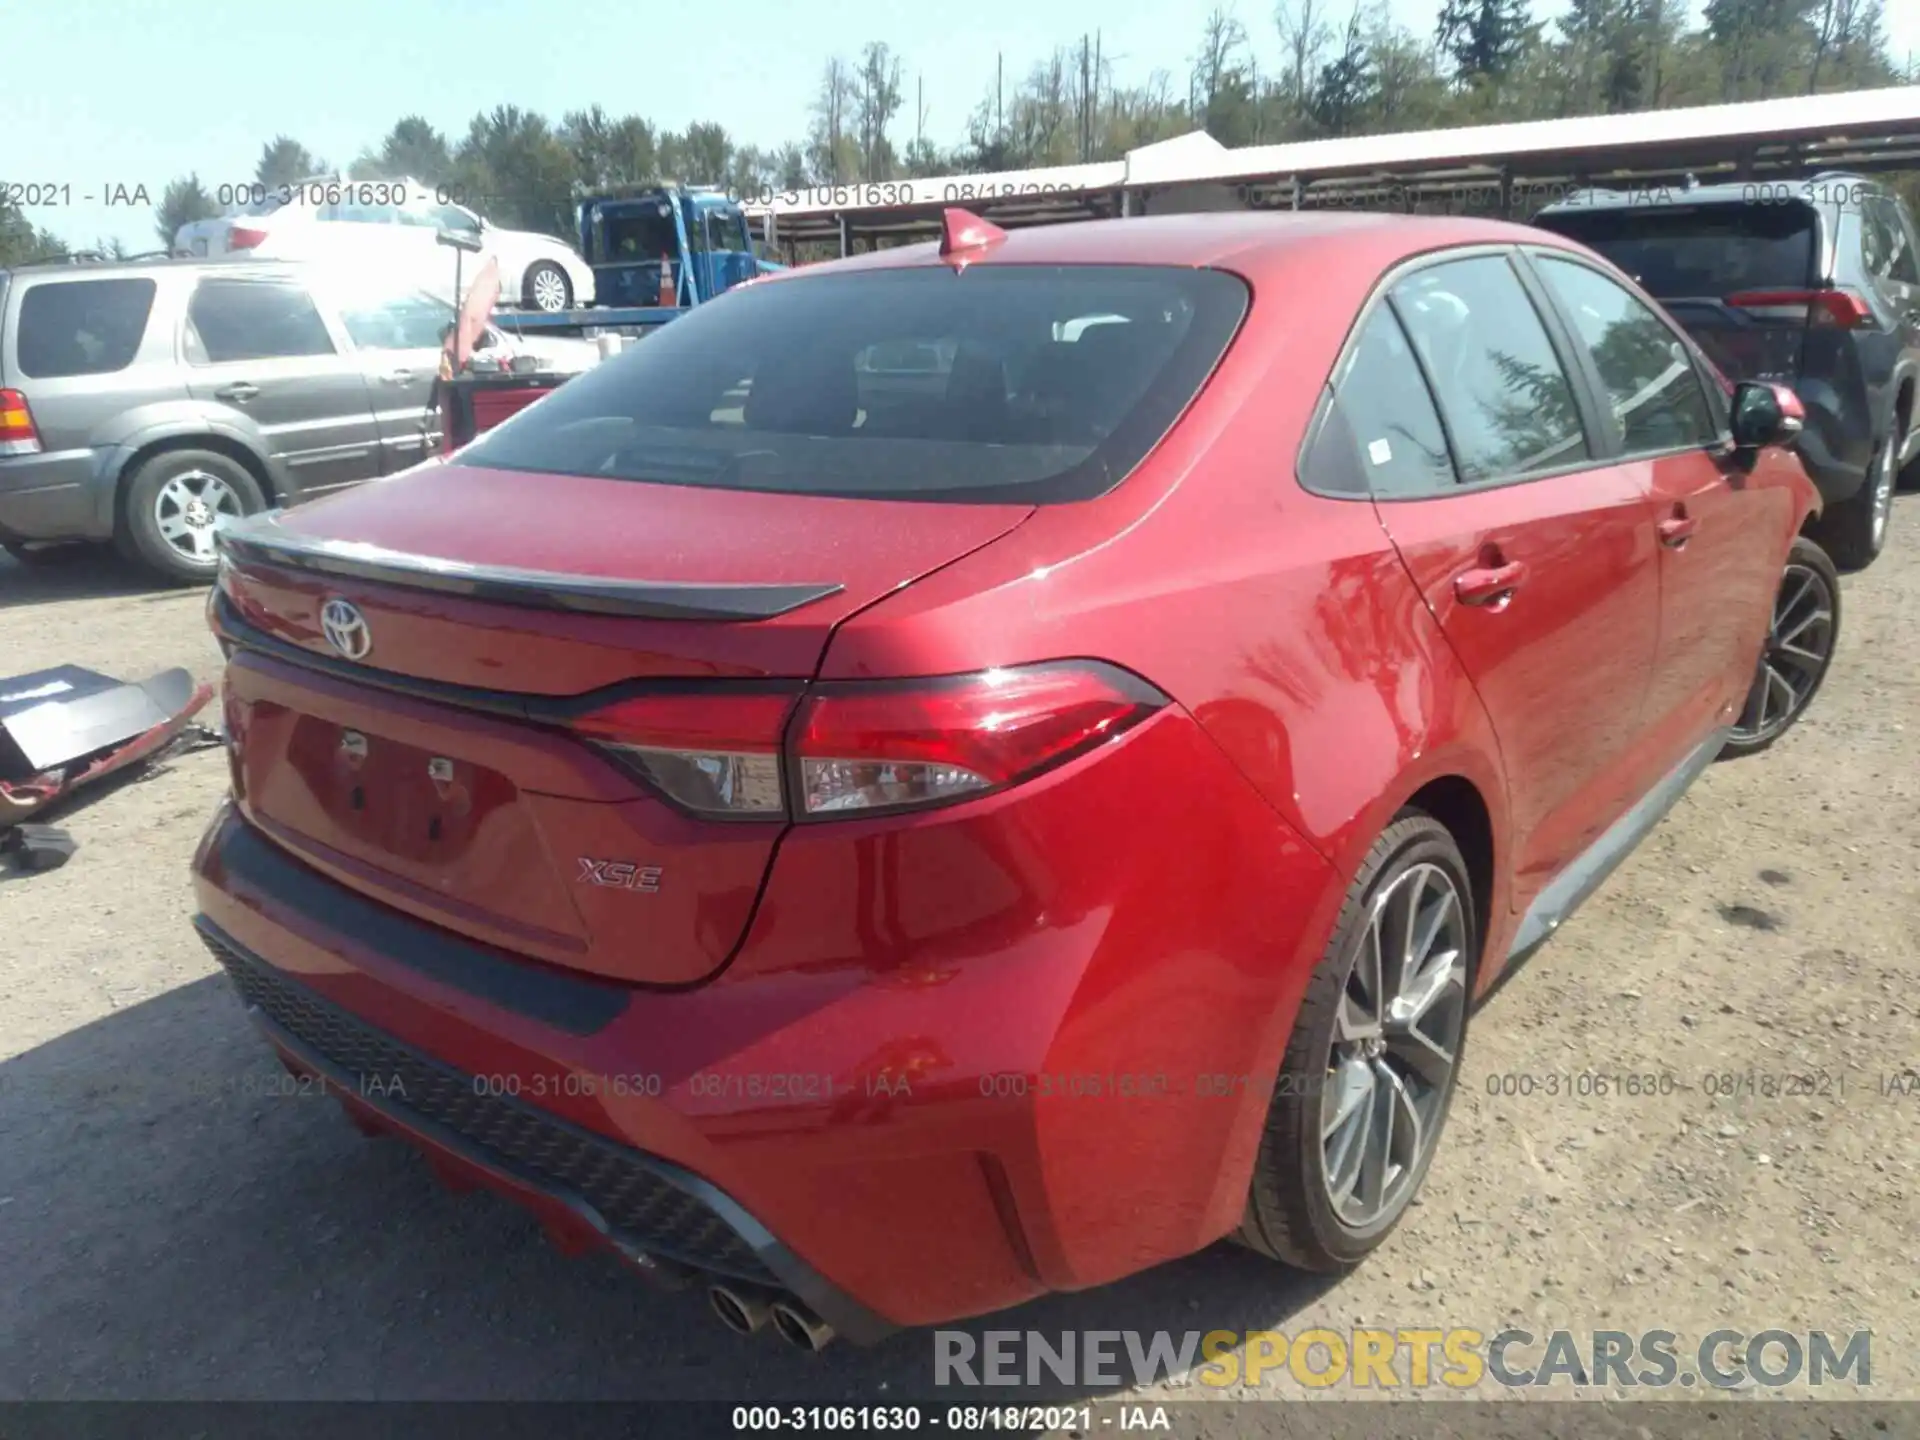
column 97, row 94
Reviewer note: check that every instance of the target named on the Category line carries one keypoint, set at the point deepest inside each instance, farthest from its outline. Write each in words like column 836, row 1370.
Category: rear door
column 1535, row 554
column 397, row 339
column 1895, row 272
column 259, row 347
column 1719, row 536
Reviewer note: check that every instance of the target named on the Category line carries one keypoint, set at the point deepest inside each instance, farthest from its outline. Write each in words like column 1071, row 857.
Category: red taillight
column 233, row 721
column 922, row 742
column 860, row 748
column 17, row 435
column 242, row 237
column 1841, row 309
column 713, row 751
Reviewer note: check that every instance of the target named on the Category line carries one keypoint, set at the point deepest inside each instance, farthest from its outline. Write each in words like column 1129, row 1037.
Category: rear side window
column 1885, row 234
column 924, row 384
column 396, row 322
column 1702, row 251
column 1657, row 398
column 82, row 327
column 1381, row 434
column 1508, row 405
column 349, row 213
column 254, row 320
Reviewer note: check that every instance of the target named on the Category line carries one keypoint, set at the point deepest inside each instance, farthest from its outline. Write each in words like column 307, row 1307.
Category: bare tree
column 1304, row 37
column 830, row 145
column 876, row 100
column 1223, row 40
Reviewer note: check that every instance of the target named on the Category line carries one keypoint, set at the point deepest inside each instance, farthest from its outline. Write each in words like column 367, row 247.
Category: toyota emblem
column 346, row 629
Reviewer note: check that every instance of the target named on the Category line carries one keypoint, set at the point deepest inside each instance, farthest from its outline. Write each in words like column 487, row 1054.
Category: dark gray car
column 1815, row 284
column 141, row 402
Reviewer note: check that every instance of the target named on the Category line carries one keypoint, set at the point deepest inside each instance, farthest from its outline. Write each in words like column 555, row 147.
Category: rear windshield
column 917, row 384
column 1702, row 251
column 82, row 327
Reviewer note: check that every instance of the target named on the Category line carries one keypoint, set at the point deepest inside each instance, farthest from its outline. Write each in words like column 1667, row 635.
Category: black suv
column 1815, row 284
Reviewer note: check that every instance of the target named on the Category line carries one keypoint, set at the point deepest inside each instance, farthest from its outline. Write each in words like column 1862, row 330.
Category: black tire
column 139, row 530
column 1749, row 738
column 1291, row 1214
column 1854, row 531
column 547, row 270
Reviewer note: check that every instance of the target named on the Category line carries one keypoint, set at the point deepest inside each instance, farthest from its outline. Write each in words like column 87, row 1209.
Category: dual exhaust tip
column 744, row 1309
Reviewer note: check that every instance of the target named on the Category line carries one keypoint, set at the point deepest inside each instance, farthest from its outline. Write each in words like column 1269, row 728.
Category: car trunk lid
column 422, row 671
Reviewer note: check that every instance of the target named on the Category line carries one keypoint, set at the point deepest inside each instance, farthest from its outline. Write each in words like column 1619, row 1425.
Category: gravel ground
column 163, row 1233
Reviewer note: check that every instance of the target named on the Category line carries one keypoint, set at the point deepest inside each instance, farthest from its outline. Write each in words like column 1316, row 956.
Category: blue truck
column 629, row 236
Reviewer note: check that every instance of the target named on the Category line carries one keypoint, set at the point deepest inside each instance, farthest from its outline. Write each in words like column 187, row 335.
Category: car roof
column 121, row 269
column 1256, row 244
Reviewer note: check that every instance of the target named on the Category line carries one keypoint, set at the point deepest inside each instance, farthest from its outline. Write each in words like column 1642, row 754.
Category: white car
column 394, row 226
column 199, row 238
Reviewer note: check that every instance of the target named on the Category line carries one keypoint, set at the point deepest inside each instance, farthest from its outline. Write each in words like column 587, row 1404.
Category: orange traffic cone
column 669, row 298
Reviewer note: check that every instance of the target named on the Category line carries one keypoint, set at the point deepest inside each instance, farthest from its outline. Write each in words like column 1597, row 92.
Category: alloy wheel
column 1882, row 500
column 188, row 509
column 549, row 290
column 1396, row 1039
column 1799, row 647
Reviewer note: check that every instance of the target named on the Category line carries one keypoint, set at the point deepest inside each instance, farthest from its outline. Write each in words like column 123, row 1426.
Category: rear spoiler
column 262, row 539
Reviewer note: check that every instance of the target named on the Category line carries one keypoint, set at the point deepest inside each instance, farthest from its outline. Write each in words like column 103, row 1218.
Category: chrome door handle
column 1491, row 585
column 1677, row 530
column 397, row 377
column 240, row 392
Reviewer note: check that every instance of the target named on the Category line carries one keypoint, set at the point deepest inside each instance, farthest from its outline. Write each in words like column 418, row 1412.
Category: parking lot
column 167, row 1231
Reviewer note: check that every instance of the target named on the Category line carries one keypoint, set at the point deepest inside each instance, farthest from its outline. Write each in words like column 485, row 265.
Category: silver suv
column 141, row 402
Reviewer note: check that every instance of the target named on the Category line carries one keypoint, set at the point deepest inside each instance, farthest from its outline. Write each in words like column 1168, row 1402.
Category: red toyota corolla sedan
column 977, row 769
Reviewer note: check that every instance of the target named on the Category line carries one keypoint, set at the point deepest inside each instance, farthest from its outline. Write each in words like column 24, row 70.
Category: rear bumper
column 51, row 496
column 1834, row 473
column 960, row 1114
column 646, row 1209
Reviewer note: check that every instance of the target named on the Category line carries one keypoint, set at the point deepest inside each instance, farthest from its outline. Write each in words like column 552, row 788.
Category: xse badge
column 619, row 874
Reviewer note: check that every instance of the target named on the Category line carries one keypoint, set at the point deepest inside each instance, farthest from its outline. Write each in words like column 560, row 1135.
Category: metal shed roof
column 1543, row 159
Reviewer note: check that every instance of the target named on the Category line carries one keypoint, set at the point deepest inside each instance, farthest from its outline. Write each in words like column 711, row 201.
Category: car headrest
column 977, row 391
column 804, row 393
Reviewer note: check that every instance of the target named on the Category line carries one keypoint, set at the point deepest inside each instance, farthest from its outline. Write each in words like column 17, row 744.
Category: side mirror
column 467, row 240
column 1765, row 414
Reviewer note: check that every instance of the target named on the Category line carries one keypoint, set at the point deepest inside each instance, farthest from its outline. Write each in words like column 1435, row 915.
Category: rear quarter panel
column 1283, row 621
column 1287, row 627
